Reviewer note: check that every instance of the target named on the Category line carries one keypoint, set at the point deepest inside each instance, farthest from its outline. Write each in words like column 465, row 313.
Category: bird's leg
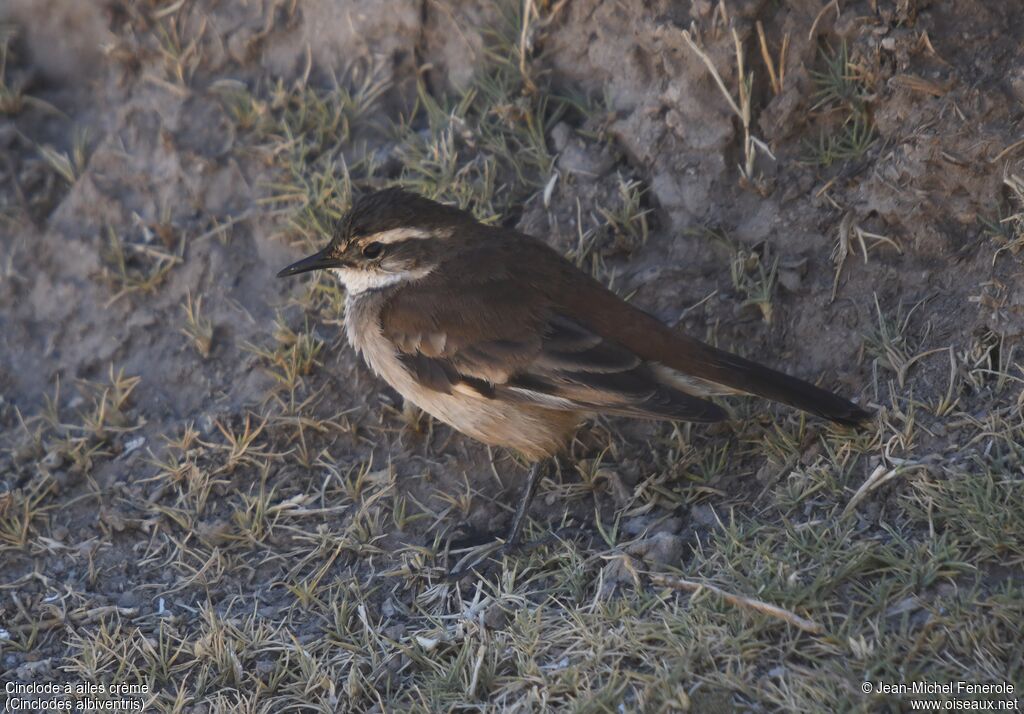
column 533, row 479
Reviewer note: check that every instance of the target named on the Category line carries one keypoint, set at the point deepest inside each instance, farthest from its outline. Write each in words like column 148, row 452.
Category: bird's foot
column 479, row 561
column 483, row 561
column 467, row 537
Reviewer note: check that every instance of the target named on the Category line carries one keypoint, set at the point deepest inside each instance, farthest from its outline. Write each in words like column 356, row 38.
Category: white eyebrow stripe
column 396, row 235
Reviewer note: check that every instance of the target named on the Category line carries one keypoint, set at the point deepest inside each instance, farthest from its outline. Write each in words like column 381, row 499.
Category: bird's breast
column 533, row 431
column 364, row 332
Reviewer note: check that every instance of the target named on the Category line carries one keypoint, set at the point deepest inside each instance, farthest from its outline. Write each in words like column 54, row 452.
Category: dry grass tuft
column 294, row 554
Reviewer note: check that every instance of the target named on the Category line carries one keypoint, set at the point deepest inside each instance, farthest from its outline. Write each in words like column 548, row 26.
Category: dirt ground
column 203, row 491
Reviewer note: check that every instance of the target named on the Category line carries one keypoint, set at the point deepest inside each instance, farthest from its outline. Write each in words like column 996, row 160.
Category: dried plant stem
column 742, row 109
column 778, row 79
column 792, row 618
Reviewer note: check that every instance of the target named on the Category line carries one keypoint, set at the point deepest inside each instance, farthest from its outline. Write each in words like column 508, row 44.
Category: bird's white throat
column 359, row 281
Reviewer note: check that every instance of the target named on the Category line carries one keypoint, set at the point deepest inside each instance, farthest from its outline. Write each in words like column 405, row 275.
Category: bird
column 501, row 337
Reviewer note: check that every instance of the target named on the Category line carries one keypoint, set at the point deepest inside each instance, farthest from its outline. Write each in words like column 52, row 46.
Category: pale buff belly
column 533, row 431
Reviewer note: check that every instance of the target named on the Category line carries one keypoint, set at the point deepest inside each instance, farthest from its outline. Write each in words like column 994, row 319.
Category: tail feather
column 741, row 374
column 655, row 342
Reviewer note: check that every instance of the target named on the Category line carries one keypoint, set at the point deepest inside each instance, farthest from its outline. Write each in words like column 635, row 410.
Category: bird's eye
column 372, row 250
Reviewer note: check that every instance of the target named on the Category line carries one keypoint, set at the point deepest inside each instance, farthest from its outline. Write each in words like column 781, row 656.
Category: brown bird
column 496, row 334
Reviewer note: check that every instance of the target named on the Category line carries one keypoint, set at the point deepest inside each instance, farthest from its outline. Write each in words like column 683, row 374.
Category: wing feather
column 532, row 355
column 533, row 328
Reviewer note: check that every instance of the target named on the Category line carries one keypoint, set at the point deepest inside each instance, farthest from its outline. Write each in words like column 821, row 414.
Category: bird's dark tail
column 651, row 339
column 741, row 374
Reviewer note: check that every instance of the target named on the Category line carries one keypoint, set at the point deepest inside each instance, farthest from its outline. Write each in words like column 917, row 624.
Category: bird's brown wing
column 514, row 292
column 579, row 296
column 501, row 339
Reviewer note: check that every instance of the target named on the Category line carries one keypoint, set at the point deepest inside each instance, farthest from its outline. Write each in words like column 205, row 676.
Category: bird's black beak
column 317, row 261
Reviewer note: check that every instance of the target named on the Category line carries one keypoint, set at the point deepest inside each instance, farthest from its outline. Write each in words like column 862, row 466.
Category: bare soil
column 146, row 162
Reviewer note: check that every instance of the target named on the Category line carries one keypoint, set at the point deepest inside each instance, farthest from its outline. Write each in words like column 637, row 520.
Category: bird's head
column 388, row 237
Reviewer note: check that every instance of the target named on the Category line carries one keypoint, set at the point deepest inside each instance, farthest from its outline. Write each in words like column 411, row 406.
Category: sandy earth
column 142, row 92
